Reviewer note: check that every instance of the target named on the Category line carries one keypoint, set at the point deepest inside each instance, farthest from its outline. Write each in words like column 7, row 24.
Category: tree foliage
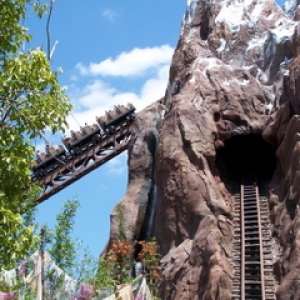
column 62, row 247
column 64, row 250
column 31, row 100
column 71, row 255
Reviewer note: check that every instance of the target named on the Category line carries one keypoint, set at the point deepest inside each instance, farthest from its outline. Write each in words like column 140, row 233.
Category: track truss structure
column 92, row 156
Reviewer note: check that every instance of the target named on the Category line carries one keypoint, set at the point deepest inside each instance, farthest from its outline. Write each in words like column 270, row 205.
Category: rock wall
column 284, row 197
column 235, row 71
column 141, row 158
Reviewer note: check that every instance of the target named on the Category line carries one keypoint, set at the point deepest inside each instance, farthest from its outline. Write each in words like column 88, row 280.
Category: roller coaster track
column 252, row 247
column 61, row 174
column 83, row 151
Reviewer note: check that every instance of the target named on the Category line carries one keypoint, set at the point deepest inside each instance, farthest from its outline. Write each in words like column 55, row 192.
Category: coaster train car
column 79, row 141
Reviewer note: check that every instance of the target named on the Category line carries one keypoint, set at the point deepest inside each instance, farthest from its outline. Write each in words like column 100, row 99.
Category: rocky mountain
column 231, row 110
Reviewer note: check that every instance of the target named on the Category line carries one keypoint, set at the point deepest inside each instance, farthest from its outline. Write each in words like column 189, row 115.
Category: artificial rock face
column 235, row 72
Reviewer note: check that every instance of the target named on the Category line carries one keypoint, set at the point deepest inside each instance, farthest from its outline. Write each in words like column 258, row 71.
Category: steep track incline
column 252, row 247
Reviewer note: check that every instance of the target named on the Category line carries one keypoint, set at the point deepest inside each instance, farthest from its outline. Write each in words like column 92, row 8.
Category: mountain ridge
column 234, row 74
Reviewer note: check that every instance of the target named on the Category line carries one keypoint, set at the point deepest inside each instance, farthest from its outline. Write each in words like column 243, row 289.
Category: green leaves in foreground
column 31, row 95
column 31, row 100
column 15, row 238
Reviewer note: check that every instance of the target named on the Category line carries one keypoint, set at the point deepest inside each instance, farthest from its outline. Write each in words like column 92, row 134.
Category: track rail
column 252, row 247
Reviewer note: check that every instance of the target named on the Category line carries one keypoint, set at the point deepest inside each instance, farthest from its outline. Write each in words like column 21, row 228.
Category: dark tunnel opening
column 246, row 157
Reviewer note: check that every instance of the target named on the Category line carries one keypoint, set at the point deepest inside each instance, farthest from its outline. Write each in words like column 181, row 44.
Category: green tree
column 62, row 247
column 70, row 254
column 31, row 100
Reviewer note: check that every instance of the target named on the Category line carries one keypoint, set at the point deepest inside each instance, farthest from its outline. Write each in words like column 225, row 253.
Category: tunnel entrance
column 245, row 157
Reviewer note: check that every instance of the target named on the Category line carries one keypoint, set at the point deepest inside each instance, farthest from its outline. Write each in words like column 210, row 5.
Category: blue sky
column 112, row 52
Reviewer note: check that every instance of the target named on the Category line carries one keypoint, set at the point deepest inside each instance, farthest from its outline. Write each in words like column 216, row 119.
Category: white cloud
column 94, row 99
column 155, row 87
column 109, row 14
column 133, row 63
column 118, row 165
column 98, row 95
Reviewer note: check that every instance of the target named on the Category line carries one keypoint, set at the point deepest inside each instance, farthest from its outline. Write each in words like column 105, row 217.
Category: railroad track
column 252, row 247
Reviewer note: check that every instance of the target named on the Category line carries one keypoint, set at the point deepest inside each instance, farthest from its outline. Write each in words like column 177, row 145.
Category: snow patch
column 256, row 43
column 192, row 80
column 270, row 16
column 232, row 14
column 190, row 11
column 244, row 82
column 283, row 32
column 269, row 103
column 256, row 13
column 191, row 35
column 290, row 7
column 222, row 46
column 236, row 14
column 182, row 26
column 268, row 108
column 209, row 64
column 262, row 76
column 202, row 65
column 226, row 82
column 236, row 81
